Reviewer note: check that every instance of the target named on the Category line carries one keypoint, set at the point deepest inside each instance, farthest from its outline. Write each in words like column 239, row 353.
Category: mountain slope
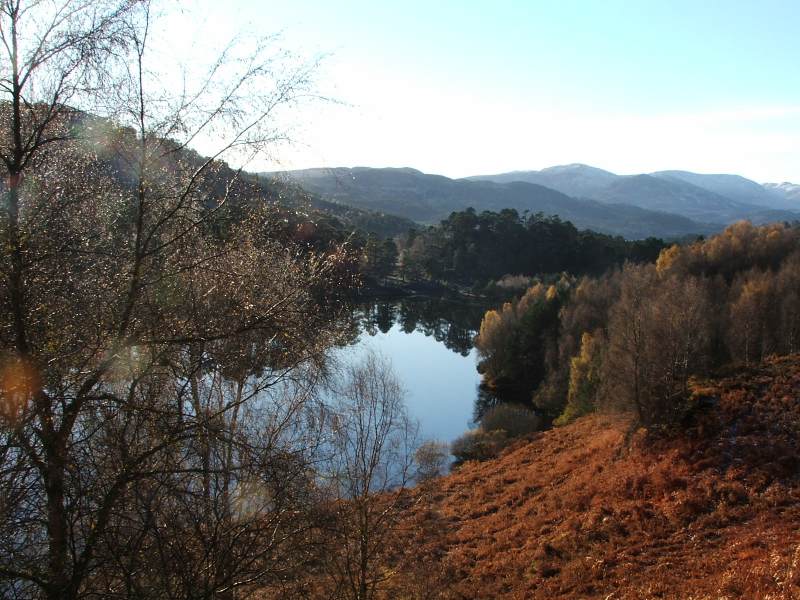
column 679, row 197
column 789, row 191
column 591, row 511
column 292, row 196
column 707, row 198
column 574, row 180
column 242, row 186
column 673, row 195
column 430, row 198
column 735, row 187
column 412, row 194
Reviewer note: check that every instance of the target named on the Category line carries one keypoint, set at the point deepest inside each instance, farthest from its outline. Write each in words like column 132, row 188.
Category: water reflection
column 429, row 342
column 450, row 322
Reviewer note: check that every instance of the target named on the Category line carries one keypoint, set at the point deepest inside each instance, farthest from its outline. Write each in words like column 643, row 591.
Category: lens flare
column 19, row 380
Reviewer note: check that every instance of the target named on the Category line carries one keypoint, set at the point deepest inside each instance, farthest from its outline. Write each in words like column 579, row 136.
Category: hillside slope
column 675, row 195
column 705, row 198
column 734, row 187
column 578, row 180
column 296, row 198
column 592, row 510
column 430, row 198
column 787, row 190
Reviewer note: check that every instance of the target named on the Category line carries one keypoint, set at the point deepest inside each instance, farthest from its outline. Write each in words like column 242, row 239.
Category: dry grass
column 595, row 510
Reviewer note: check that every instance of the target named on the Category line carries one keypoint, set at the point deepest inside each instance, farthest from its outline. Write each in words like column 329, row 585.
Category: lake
column 429, row 345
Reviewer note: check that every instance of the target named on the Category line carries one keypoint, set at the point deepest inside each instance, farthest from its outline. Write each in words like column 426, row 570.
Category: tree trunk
column 58, row 585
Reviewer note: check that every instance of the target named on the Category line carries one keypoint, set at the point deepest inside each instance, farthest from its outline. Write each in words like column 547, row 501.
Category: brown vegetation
column 157, row 343
column 596, row 509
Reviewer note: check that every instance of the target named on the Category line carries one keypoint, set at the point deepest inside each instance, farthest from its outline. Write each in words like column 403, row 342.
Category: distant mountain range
column 791, row 191
column 428, row 199
column 718, row 199
column 666, row 204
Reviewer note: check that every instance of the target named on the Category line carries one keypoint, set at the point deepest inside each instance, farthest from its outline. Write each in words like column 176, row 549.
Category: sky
column 472, row 87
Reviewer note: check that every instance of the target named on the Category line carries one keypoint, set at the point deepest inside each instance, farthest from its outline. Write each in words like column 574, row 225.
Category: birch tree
column 126, row 288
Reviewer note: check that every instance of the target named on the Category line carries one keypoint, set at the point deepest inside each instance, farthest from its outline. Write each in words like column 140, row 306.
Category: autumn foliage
column 731, row 299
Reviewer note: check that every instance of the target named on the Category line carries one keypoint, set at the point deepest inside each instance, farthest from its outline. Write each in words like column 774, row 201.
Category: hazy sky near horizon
column 466, row 88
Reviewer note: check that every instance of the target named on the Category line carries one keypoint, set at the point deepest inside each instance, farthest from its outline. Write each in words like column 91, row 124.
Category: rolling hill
column 581, row 181
column 735, row 187
column 429, row 198
column 707, row 198
column 292, row 196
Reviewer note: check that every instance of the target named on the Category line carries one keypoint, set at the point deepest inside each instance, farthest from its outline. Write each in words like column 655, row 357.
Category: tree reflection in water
column 453, row 323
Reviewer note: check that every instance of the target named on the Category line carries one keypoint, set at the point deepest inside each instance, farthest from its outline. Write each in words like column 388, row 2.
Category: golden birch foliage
column 584, row 379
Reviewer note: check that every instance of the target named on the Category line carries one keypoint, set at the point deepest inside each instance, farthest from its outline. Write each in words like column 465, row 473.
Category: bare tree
column 788, row 293
column 659, row 335
column 432, row 459
column 754, row 316
column 371, row 457
column 237, row 516
column 140, row 328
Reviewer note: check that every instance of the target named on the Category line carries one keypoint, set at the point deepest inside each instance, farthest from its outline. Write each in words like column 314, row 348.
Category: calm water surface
column 429, row 344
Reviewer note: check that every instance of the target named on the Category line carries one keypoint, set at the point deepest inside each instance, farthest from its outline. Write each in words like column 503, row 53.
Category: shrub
column 478, row 445
column 512, row 419
column 515, row 282
column 432, row 458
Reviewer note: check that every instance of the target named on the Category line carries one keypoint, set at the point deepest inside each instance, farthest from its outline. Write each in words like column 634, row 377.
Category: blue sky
column 462, row 88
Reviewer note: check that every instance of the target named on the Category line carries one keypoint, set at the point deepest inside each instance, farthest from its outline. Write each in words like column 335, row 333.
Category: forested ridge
column 634, row 337
column 428, row 198
column 479, row 249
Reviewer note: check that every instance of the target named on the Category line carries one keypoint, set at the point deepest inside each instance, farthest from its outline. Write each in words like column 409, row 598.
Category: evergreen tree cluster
column 475, row 248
